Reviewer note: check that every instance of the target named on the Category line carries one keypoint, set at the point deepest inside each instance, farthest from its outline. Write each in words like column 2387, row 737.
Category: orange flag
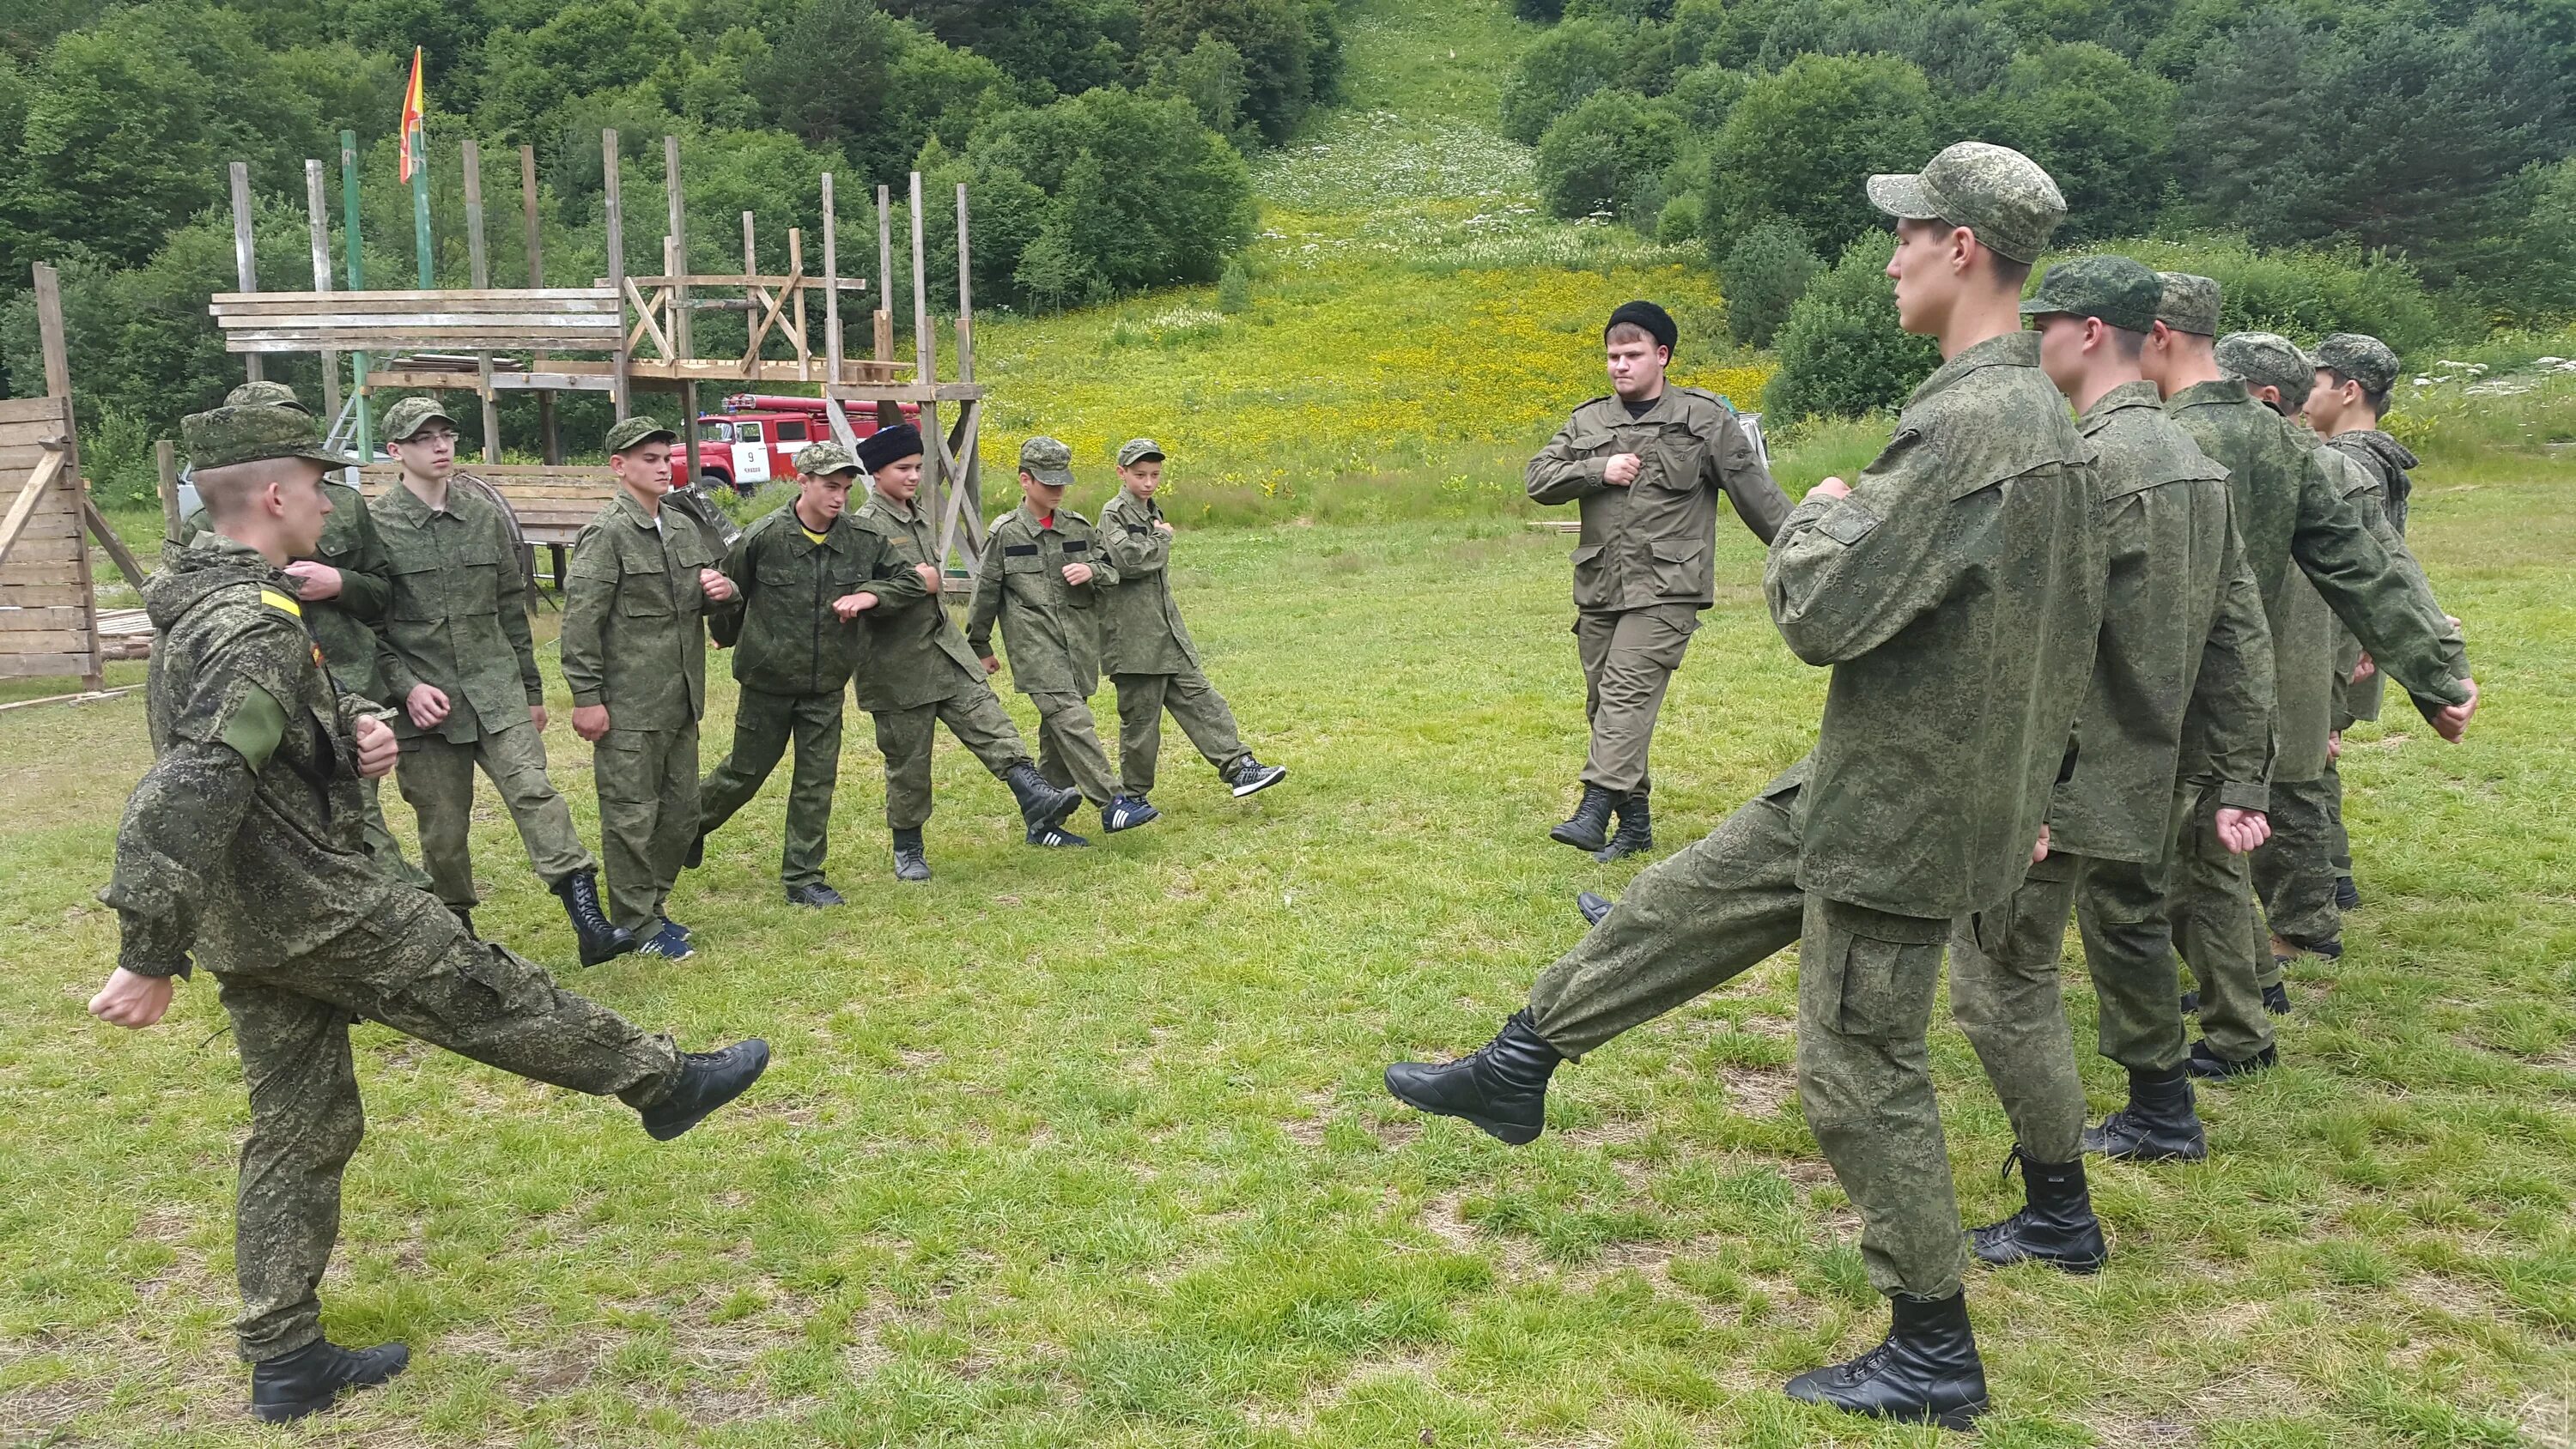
column 415, row 144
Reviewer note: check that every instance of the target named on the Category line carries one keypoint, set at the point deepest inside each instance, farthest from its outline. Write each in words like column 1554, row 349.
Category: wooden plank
column 318, row 236
column 467, row 298
column 245, row 257
column 38, row 666
column 71, row 640
column 30, row 493
column 965, row 297
column 165, row 459
column 58, row 386
column 885, row 277
column 117, row 552
column 478, row 258
column 87, row 696
column 613, row 208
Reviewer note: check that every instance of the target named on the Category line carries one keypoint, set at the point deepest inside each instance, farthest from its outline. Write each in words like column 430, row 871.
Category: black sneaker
column 708, row 1080
column 668, row 944
column 814, row 895
column 1126, row 812
column 1592, row 906
column 1055, row 837
column 2191, row 1003
column 2276, row 998
column 697, row 855
column 2206, row 1063
column 1251, row 777
column 307, row 1380
column 2347, row 895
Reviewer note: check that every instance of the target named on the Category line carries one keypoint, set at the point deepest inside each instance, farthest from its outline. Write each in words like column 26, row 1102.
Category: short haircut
column 2007, row 271
column 1629, row 332
column 2126, row 345
column 227, row 492
column 2376, row 401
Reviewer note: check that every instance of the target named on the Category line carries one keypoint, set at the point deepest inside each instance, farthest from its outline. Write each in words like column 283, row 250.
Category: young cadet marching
column 806, row 572
column 916, row 672
column 1147, row 649
column 343, row 591
column 1042, row 581
column 240, row 852
column 1956, row 592
column 1646, row 465
column 459, row 660
column 2294, row 873
column 2291, row 523
column 2184, row 669
column 638, row 589
column 2345, row 403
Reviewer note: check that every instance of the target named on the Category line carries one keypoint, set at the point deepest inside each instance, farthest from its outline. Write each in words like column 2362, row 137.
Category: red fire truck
column 758, row 435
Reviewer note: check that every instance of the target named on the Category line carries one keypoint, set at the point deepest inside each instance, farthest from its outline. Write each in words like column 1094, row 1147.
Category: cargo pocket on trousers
column 1879, row 971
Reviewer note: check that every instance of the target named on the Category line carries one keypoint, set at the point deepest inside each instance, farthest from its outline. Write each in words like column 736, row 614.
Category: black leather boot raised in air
column 2056, row 1225
column 1500, row 1086
column 1589, row 827
column 600, row 938
column 1042, row 806
column 1926, row 1372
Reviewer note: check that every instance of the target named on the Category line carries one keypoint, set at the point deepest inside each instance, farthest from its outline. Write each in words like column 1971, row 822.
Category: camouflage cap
column 826, row 456
column 2113, row 288
column 2190, row 303
column 2364, row 359
column 1995, row 191
column 2267, row 359
column 1137, row 450
column 226, row 436
column 265, row 393
column 405, row 419
column 1048, row 461
column 635, row 432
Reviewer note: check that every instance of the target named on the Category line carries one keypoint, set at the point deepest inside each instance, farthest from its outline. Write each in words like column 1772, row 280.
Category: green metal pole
column 420, row 210
column 357, row 282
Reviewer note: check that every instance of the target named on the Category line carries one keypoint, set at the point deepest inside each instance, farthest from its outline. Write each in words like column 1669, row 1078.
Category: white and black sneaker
column 1055, row 837
column 1251, row 777
column 1126, row 812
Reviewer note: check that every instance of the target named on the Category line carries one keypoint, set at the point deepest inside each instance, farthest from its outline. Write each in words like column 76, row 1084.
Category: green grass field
column 1089, row 1148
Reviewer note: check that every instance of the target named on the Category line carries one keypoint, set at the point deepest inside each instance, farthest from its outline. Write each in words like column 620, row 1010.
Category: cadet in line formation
column 311, row 643
column 2088, row 661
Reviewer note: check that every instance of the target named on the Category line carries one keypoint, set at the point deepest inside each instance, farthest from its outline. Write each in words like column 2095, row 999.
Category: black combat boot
column 697, row 855
column 708, row 1080
column 2347, row 895
column 2158, row 1125
column 2204, row 1061
column 1636, row 829
column 2276, row 998
column 1593, row 907
column 307, row 1380
column 1927, row 1371
column 1042, row 806
column 1589, row 827
column 601, row 939
column 2056, row 1225
column 818, row 895
column 909, row 862
column 465, row 918
column 1500, row 1087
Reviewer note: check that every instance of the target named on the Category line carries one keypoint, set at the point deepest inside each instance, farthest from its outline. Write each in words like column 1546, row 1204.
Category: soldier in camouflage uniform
column 1646, row 465
column 1147, row 648
column 917, row 672
column 1043, row 576
column 460, row 664
column 2345, row 402
column 343, row 590
column 2184, row 656
column 1956, row 592
column 2293, row 525
column 638, row 590
column 807, row 572
column 240, row 852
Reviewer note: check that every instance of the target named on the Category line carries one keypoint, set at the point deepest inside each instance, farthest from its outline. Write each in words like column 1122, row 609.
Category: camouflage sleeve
column 2232, row 698
column 512, row 587
column 890, row 573
column 2385, row 602
column 1759, row 503
column 365, row 589
column 1556, row 475
column 180, row 822
column 1131, row 542
column 1848, row 574
column 986, row 610
column 742, row 565
column 1104, row 564
column 590, row 591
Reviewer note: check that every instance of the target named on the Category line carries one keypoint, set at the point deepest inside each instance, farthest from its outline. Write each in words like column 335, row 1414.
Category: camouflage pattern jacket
column 634, row 632
column 458, row 618
column 1052, row 627
column 1654, row 541
column 785, row 637
column 345, row 625
column 914, row 654
column 2297, row 519
column 2184, row 646
column 1141, row 622
column 1957, row 594
column 242, row 844
column 2389, row 461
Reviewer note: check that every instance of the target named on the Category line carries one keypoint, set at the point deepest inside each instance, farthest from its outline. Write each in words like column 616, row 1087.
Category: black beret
column 889, row 445
column 1657, row 322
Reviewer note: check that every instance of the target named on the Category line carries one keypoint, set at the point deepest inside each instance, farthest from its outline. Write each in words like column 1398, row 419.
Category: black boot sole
column 1565, row 835
column 665, row 1131
column 1961, row 1418
column 593, row 956
column 2078, row 1266
column 1514, row 1133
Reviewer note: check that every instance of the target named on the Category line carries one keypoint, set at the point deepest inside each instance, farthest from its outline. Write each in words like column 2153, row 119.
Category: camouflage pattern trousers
column 424, row 977
column 2294, row 872
column 763, row 723
column 1069, row 752
column 382, row 848
column 1203, row 715
column 1866, row 981
column 648, row 815
column 905, row 737
column 438, row 779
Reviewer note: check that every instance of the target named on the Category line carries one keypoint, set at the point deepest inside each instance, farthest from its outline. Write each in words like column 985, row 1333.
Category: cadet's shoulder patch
column 281, row 601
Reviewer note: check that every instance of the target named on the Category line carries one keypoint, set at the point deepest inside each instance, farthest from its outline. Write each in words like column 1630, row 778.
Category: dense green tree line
column 1103, row 141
